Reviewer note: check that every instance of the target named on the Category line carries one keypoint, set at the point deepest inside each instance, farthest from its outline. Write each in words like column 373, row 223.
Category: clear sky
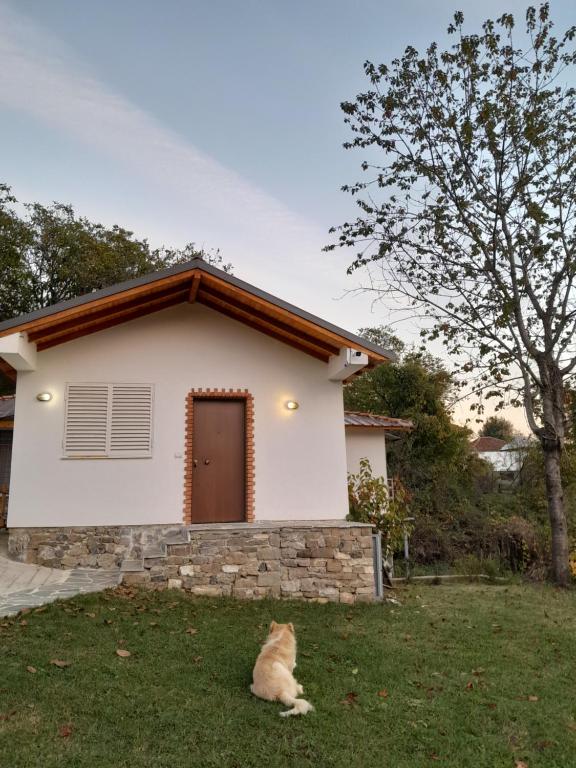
column 213, row 122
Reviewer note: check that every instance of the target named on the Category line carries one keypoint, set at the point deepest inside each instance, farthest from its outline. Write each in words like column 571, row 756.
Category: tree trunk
column 557, row 515
column 552, row 437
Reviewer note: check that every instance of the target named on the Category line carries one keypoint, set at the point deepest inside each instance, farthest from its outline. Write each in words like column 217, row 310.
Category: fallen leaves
column 383, row 693
column 123, row 653
column 544, row 744
column 32, row 670
column 60, row 664
column 191, row 631
column 65, row 731
column 350, row 699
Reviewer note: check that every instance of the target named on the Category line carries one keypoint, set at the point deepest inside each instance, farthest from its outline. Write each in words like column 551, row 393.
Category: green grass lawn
column 480, row 676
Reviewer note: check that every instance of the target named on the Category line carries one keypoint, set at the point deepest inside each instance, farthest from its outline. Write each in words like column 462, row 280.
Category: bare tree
column 468, row 214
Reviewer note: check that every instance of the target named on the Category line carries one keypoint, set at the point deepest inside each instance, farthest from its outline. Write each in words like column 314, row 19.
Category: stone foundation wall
column 322, row 561
column 85, row 547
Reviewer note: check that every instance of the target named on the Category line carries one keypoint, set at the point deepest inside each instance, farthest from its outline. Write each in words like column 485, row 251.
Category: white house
column 185, row 401
column 366, row 436
column 506, row 458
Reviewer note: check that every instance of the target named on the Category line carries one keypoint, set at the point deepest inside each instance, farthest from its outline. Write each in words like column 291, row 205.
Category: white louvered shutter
column 108, row 421
column 131, row 420
column 86, row 428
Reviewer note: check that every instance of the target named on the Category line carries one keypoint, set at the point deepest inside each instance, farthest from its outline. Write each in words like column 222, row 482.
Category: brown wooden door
column 219, row 461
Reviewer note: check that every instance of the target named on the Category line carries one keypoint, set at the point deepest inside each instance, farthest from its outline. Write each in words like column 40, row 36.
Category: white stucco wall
column 300, row 456
column 504, row 460
column 366, row 443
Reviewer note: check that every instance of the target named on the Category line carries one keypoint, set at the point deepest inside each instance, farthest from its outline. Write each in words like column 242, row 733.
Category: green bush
column 370, row 502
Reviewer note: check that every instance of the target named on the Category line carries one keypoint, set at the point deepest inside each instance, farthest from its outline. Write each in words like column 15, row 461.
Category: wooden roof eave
column 201, row 284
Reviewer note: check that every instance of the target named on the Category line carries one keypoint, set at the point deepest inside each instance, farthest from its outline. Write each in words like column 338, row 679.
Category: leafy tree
column 497, row 426
column 468, row 214
column 434, row 460
column 49, row 254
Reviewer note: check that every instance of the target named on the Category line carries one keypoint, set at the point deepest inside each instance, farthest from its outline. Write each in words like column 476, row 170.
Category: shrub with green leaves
column 370, row 502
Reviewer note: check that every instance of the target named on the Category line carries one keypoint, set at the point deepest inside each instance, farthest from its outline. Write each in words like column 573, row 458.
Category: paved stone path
column 29, row 586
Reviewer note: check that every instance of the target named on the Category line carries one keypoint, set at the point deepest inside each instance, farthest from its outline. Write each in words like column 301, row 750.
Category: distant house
column 506, row 458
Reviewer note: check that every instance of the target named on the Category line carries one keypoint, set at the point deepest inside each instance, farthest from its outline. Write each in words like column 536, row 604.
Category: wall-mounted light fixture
column 292, row 405
column 44, row 397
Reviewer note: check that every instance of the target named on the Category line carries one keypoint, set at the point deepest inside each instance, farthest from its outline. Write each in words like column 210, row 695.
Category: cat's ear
column 273, row 625
column 291, row 627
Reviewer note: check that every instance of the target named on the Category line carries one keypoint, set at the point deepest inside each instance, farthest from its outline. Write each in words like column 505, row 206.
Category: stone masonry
column 321, row 561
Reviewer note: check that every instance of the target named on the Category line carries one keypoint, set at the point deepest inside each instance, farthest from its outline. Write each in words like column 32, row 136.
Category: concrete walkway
column 29, row 586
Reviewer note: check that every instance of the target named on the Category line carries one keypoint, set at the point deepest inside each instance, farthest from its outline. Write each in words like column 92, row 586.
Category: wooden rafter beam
column 104, row 323
column 7, row 371
column 194, row 286
column 250, row 302
column 103, row 314
column 294, row 340
column 277, row 324
column 117, row 300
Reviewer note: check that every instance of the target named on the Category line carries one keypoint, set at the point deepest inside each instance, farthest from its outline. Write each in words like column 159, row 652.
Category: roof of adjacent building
column 487, row 444
column 7, row 403
column 194, row 281
column 377, row 421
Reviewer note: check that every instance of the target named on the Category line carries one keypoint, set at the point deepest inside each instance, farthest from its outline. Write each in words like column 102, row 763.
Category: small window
column 111, row 421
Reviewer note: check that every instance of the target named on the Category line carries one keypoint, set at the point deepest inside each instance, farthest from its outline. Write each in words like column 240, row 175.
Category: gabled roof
column 487, row 444
column 376, row 421
column 195, row 281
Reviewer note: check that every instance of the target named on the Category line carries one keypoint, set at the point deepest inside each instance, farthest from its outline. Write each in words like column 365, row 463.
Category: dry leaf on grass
column 65, row 730
column 122, row 653
column 532, row 698
column 33, row 670
column 191, row 631
column 350, row 698
column 383, row 693
column 59, row 663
